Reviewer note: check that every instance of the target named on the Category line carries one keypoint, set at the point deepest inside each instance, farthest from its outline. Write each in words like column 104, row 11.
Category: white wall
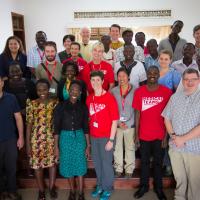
column 54, row 17
column 6, row 7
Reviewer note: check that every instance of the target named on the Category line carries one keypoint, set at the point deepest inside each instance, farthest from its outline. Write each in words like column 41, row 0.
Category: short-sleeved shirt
column 139, row 54
column 151, row 104
column 105, row 67
column 110, row 57
column 103, row 110
column 81, row 64
column 171, row 79
column 183, row 112
column 181, row 67
column 137, row 74
column 8, row 107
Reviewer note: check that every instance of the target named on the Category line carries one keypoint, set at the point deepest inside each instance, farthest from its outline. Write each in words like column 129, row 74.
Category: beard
column 50, row 58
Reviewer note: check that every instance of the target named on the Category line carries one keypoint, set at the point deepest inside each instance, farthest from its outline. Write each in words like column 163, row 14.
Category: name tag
column 95, row 124
column 52, row 90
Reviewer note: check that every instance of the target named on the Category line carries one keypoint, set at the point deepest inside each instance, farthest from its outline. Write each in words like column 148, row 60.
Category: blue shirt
column 171, row 79
column 150, row 61
column 8, row 106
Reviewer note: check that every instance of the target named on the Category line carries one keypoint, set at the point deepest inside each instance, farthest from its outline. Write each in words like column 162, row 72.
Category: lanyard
column 124, row 96
column 40, row 54
column 94, row 105
column 50, row 74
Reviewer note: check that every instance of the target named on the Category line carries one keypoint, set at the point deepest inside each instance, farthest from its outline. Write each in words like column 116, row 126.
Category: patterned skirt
column 72, row 145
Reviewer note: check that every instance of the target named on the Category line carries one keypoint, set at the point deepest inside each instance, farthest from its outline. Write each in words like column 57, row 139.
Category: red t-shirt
column 151, row 104
column 102, row 115
column 105, row 67
column 81, row 64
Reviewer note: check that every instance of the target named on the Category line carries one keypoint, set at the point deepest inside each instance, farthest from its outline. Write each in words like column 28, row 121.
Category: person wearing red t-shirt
column 103, row 111
column 149, row 101
column 98, row 63
column 75, row 51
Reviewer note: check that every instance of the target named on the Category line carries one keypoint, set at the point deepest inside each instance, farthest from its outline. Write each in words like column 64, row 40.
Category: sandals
column 41, row 195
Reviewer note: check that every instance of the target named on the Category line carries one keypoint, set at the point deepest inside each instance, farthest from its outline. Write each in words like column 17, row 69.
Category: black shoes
column 160, row 194
column 140, row 193
column 72, row 195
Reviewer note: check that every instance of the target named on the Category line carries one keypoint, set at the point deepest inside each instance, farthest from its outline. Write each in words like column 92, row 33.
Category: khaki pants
column 186, row 169
column 128, row 136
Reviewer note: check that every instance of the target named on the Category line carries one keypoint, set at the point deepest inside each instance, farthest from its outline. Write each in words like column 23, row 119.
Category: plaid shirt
column 35, row 56
column 139, row 54
column 184, row 113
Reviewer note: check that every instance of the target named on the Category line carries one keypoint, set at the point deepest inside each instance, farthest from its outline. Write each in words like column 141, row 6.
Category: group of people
column 108, row 99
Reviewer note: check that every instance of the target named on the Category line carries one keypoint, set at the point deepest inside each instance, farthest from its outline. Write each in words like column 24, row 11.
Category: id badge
column 95, row 124
column 52, row 90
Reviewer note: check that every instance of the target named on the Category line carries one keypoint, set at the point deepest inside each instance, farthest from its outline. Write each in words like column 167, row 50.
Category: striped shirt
column 36, row 56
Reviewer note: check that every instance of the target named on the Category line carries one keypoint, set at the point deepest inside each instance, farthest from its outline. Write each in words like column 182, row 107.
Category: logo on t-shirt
column 149, row 102
column 98, row 108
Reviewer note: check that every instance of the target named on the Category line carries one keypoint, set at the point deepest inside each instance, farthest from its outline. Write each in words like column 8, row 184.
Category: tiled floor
column 31, row 194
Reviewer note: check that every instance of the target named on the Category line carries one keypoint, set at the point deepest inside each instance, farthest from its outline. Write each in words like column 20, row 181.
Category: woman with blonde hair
column 98, row 63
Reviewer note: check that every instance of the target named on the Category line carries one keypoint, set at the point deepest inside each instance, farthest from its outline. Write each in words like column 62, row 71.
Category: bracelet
column 111, row 140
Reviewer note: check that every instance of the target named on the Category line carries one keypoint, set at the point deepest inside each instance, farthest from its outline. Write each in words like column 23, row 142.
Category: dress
column 42, row 138
column 71, row 124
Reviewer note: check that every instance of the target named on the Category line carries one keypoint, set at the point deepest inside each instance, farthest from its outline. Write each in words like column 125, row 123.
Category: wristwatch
column 111, row 140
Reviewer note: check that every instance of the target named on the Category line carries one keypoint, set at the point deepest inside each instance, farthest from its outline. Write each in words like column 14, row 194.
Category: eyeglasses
column 191, row 80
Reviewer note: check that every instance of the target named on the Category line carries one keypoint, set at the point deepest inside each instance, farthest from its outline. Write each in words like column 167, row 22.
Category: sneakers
column 96, row 192
column 105, row 195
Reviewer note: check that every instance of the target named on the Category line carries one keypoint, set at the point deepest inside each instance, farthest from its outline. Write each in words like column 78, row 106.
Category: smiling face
column 67, row 43
column 40, row 39
column 127, row 37
column 188, row 50
column 13, row 46
column 190, row 82
column 164, row 60
column 114, row 33
column 74, row 92
column 97, row 53
column 15, row 72
column 129, row 52
column 197, row 36
column 74, row 50
column 50, row 53
column 122, row 78
column 70, row 72
column 177, row 27
column 96, row 83
column 152, row 75
column 42, row 91
column 85, row 34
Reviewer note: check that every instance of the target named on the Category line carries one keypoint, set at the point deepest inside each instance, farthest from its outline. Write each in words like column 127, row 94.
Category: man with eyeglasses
column 182, row 121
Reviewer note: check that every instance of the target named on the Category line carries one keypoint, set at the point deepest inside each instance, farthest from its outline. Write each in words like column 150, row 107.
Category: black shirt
column 24, row 90
column 70, row 117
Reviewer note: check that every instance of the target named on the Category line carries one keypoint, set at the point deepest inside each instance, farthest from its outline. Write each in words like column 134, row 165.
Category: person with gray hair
column 182, row 119
column 86, row 45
